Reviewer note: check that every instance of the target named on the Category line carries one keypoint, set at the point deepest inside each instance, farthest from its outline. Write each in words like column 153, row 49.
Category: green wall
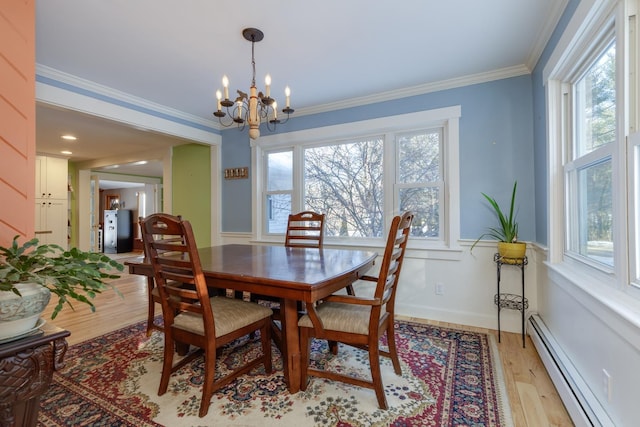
column 73, row 205
column 191, row 188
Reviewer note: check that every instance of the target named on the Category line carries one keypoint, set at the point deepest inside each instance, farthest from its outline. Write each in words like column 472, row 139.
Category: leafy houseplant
column 507, row 231
column 71, row 275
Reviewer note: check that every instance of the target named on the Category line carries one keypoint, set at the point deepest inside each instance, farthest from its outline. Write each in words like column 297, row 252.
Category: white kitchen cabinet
column 52, row 201
column 51, row 221
column 51, row 178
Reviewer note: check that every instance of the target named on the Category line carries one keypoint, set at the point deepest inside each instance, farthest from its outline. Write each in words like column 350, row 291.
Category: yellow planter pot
column 516, row 250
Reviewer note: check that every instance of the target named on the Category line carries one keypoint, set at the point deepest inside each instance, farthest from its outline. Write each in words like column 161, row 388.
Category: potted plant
column 30, row 273
column 507, row 232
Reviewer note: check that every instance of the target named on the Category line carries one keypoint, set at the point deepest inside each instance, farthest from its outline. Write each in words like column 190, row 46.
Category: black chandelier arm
column 231, row 115
column 271, row 124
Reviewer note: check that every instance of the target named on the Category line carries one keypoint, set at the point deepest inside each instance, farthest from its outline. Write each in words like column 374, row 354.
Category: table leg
column 291, row 345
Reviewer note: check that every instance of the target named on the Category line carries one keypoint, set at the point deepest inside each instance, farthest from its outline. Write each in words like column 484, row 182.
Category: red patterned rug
column 449, row 378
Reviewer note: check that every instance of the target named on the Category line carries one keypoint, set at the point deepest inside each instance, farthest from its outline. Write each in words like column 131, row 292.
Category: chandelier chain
column 253, row 60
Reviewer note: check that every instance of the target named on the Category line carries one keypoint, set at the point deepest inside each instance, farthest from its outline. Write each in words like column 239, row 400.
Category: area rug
column 449, row 378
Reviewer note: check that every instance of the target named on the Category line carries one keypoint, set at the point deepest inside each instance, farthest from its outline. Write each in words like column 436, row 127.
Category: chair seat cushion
column 336, row 316
column 229, row 315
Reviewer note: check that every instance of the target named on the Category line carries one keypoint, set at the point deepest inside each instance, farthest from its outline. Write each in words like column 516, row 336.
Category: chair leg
column 152, row 306
column 265, row 338
column 305, row 349
column 209, row 378
column 393, row 351
column 376, row 374
column 167, row 363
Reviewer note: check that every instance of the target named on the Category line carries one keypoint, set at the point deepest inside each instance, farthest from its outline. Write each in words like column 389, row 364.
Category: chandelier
column 255, row 107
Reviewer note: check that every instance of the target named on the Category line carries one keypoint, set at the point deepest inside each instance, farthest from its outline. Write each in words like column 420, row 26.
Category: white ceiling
column 175, row 53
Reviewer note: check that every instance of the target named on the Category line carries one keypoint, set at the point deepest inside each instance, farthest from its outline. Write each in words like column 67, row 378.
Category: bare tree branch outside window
column 345, row 182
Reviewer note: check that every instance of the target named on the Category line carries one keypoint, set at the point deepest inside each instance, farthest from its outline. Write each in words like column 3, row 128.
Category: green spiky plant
column 70, row 274
column 508, row 229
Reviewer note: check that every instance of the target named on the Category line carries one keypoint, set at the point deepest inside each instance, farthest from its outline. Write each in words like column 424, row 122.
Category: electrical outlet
column 606, row 384
column 439, row 288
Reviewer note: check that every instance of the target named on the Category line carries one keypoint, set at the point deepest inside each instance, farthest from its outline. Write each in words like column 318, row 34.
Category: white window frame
column 438, row 185
column 583, row 39
column 574, row 161
column 633, row 143
column 448, row 118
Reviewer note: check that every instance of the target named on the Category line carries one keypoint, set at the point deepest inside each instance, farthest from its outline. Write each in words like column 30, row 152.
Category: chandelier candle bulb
column 287, row 94
column 267, row 89
column 219, row 98
column 275, row 111
column 225, row 85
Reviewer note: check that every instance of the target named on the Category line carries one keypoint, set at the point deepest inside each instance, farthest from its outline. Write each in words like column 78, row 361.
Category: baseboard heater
column 580, row 402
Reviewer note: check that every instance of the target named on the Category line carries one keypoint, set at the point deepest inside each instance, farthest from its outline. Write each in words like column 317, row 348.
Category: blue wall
column 236, row 203
column 496, row 148
column 540, row 127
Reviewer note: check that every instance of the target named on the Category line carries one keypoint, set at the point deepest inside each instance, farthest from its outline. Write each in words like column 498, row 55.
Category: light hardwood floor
column 533, row 398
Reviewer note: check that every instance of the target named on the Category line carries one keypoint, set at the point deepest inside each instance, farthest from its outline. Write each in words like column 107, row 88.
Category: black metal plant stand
column 510, row 301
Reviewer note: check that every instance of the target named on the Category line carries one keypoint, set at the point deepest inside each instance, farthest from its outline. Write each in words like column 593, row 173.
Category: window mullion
column 390, row 168
column 297, row 201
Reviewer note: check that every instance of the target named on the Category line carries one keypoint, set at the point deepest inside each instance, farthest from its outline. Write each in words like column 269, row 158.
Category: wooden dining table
column 291, row 274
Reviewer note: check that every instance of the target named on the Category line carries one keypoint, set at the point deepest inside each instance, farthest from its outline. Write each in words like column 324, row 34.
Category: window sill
column 599, row 296
column 417, row 250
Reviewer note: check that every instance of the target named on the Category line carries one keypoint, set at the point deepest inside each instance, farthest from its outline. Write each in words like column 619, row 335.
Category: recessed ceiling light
column 66, row 152
column 141, row 162
column 69, row 137
column 111, row 167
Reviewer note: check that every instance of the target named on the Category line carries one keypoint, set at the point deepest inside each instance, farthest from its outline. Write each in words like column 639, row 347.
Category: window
column 361, row 175
column 420, row 180
column 588, row 171
column 592, row 95
column 344, row 181
column 279, row 188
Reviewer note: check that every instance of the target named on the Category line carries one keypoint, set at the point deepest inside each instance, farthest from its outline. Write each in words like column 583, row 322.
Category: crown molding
column 422, row 89
column 545, row 33
column 138, row 103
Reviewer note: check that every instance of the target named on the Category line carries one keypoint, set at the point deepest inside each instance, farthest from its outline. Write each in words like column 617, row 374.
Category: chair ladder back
column 152, row 289
column 183, row 288
column 305, row 229
column 170, row 244
column 342, row 319
column 393, row 257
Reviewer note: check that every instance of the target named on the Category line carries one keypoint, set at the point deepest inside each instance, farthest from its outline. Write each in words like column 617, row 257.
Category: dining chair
column 305, row 229
column 190, row 315
column 360, row 321
column 152, row 290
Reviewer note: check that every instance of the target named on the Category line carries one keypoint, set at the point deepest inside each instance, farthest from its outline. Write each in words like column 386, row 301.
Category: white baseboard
column 580, row 402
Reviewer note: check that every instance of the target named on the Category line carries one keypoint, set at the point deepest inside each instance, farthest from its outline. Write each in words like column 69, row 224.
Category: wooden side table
column 26, row 371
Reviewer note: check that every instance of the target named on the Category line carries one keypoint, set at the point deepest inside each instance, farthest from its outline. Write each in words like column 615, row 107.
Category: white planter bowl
column 20, row 314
